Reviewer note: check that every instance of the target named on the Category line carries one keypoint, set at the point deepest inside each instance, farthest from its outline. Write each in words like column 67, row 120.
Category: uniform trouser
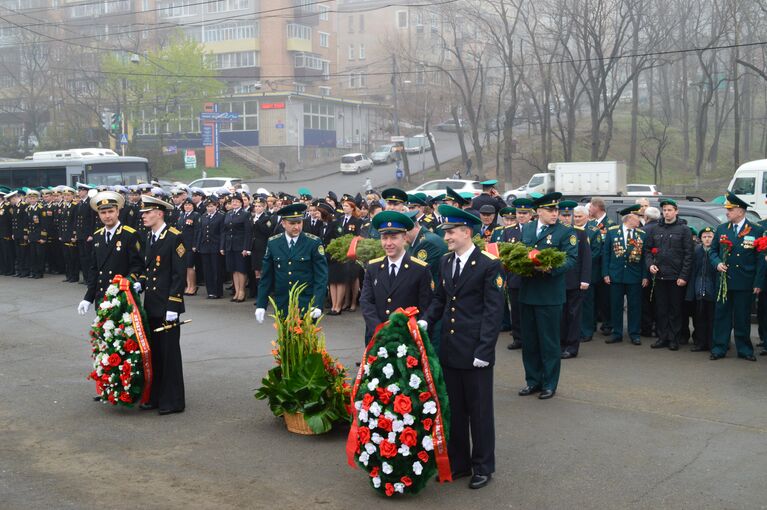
column 570, row 331
column 648, row 310
column 761, row 314
column 670, row 310
column 167, row 391
column 506, row 320
column 198, row 268
column 516, row 319
column 703, row 321
column 633, row 293
column 71, row 261
column 85, row 253
column 734, row 313
column 211, row 264
column 587, row 313
column 8, row 255
column 36, row 258
column 602, row 307
column 22, row 257
column 472, row 420
column 688, row 311
column 541, row 352
column 54, row 256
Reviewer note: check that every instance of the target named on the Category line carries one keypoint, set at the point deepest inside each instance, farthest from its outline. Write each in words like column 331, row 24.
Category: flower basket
column 297, row 424
column 349, row 248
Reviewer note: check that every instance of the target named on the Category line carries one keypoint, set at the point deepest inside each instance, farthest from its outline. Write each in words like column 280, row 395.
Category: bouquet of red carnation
column 761, row 244
column 654, row 253
column 725, row 248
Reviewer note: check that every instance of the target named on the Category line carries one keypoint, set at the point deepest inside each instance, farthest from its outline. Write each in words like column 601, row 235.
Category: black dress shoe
column 659, row 344
column 333, row 312
column 513, row 346
column 97, row 399
column 750, row 357
column 163, row 412
column 586, row 339
column 147, row 407
column 636, row 341
column 697, row 349
column 479, row 481
column 614, row 340
column 606, row 332
column 763, row 352
column 546, row 394
column 528, row 390
column 568, row 355
column 461, row 474
column 714, row 357
column 673, row 346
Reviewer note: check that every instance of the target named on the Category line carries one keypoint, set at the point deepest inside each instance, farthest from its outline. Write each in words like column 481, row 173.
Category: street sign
column 123, row 139
column 272, row 106
column 207, row 135
column 190, row 159
column 397, row 139
column 219, row 116
column 279, row 125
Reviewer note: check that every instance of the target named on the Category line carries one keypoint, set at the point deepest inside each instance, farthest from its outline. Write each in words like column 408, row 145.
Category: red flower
column 93, row 375
column 114, row 359
column 126, row 367
column 402, row 404
column 427, row 423
column 125, row 397
column 371, row 359
column 407, row 481
column 374, row 472
column 363, row 435
column 654, row 251
column 105, row 378
column 99, row 388
column 367, row 400
column 384, row 424
column 130, row 346
column 384, row 395
column 389, row 489
column 408, row 437
column 388, row 449
column 424, row 396
column 761, row 244
column 111, row 398
column 423, row 456
column 411, row 362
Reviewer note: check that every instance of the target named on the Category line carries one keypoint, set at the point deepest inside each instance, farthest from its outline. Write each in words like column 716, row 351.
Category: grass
column 228, row 168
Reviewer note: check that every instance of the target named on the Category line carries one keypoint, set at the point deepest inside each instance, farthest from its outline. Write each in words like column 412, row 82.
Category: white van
column 750, row 184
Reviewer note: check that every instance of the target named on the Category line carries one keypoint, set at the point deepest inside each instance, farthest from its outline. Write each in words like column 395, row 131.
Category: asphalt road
column 630, row 427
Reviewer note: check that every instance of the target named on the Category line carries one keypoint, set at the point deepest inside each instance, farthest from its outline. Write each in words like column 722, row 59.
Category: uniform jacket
column 209, row 233
column 601, row 227
column 189, row 225
column 35, row 225
column 66, row 221
column 548, row 289
column 283, row 267
column 164, row 274
column 381, row 297
column 675, row 247
column 260, row 236
column 509, row 234
column 470, row 310
column 430, row 248
column 353, row 226
column 19, row 222
column 746, row 268
column 581, row 270
column 236, row 233
column 130, row 215
column 314, row 230
column 624, row 262
column 121, row 256
column 429, row 222
column 488, row 232
column 704, row 278
column 85, row 220
column 5, row 221
column 486, row 199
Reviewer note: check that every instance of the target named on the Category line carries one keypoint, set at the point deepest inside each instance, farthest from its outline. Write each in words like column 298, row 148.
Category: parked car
column 384, row 154
column 211, row 184
column 642, row 190
column 439, row 187
column 449, row 125
column 417, row 144
column 354, row 163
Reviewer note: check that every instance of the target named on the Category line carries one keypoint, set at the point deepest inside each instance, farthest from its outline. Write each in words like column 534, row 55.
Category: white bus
column 94, row 166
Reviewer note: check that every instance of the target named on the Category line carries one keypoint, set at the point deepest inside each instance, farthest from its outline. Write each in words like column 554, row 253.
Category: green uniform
column 541, row 298
column 283, row 267
column 429, row 247
column 601, row 289
column 595, row 241
column 623, row 262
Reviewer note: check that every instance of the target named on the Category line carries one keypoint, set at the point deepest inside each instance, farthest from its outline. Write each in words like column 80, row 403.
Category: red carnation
column 126, row 367
column 105, row 378
column 363, row 434
column 389, row 489
column 427, row 423
column 388, row 449
column 424, row 396
column 411, row 362
column 384, row 424
column 130, row 346
column 367, row 400
column 408, row 437
column 114, row 359
column 99, row 388
column 374, row 472
column 402, row 404
column 654, row 251
column 423, row 456
column 384, row 395
column 93, row 375
column 407, row 481
column 125, row 397
column 111, row 398
column 371, row 359
column 761, row 244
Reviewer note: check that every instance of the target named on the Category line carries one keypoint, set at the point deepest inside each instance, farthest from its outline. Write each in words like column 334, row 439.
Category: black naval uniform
column 208, row 244
column 570, row 333
column 20, row 240
column 53, row 253
column 37, row 236
column 164, row 280
column 66, row 221
column 470, row 308
column 7, row 254
column 121, row 255
column 382, row 294
column 85, row 225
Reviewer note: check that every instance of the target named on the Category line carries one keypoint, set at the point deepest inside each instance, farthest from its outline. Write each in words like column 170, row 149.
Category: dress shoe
column 212, row 296
column 461, row 474
column 528, row 390
column 749, row 357
column 659, row 344
column 333, row 312
column 97, row 399
column 586, row 339
column 614, row 340
column 513, row 346
column 763, row 352
column 147, row 407
column 636, row 341
column 479, row 481
column 606, row 332
column 695, row 348
column 714, row 357
column 546, row 394
column 673, row 346
column 568, row 355
column 163, row 412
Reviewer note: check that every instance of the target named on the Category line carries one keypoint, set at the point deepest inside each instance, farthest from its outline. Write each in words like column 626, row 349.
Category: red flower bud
column 411, row 362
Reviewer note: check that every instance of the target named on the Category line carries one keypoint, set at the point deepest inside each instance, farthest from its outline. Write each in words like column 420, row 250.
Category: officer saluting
column 293, row 257
column 396, row 280
column 163, row 281
column 469, row 302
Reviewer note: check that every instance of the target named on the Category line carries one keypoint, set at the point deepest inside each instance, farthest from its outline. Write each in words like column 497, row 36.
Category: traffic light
column 106, row 120
column 115, row 124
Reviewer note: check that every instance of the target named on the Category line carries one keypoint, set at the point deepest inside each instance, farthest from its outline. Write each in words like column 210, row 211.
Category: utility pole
column 405, row 163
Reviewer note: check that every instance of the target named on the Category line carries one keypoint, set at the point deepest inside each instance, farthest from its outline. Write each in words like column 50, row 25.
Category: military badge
column 499, row 281
column 118, row 245
column 157, row 261
column 573, row 240
column 432, row 285
column 422, row 254
column 180, row 250
column 321, row 250
column 548, row 239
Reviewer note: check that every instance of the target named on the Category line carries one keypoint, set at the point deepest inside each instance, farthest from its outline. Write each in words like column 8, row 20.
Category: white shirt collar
column 602, row 219
column 288, row 238
column 740, row 224
column 397, row 262
column 465, row 257
column 113, row 229
column 156, row 233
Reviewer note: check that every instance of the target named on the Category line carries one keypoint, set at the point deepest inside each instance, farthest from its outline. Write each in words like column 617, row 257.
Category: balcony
column 299, row 37
column 309, row 65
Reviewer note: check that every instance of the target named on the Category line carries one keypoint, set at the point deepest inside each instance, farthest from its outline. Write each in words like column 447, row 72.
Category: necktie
column 737, row 229
column 393, row 272
column 109, row 236
column 541, row 229
column 345, row 220
column 152, row 240
column 457, row 272
column 292, row 244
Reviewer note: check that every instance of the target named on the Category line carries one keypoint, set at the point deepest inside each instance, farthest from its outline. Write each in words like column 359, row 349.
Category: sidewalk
column 301, row 175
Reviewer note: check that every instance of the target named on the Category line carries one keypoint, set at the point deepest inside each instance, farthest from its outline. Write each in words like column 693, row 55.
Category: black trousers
column 85, row 253
column 570, row 327
column 648, row 311
column 516, row 315
column 36, row 258
column 214, row 283
column 703, row 322
column 8, row 257
column 472, row 421
column 602, row 305
column 22, row 257
column 54, row 256
column 71, row 261
column 167, row 391
column 669, row 310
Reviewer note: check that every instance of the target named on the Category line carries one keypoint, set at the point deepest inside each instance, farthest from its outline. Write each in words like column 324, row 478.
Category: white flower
column 427, row 443
column 112, row 290
column 126, row 318
column 404, row 450
column 399, row 487
column 373, row 423
column 375, row 409
column 376, row 481
column 370, row 448
column 392, row 437
column 408, row 419
column 415, row 381
column 106, row 305
column 363, row 415
column 417, row 468
column 401, row 350
column 376, row 438
column 115, row 302
column 129, row 331
column 372, row 385
column 393, row 388
column 116, row 344
column 388, row 370
column 382, row 352
column 397, row 426
column 386, row 468
column 105, row 360
column 430, row 407
column 390, row 416
column 364, row 458
column 109, row 325
column 358, row 405
column 366, row 369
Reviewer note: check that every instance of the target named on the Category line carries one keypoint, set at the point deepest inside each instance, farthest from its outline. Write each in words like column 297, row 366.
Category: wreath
column 525, row 261
column 349, row 248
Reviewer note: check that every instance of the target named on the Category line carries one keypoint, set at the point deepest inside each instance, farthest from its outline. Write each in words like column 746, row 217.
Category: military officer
column 624, row 271
column 489, row 196
column 487, row 215
column 163, row 280
column 418, row 204
column 745, row 272
column 508, row 232
column 66, row 220
column 396, row 199
column 426, row 246
column 396, row 280
column 36, row 234
column 524, row 210
column 6, row 234
column 18, row 229
column 600, row 220
column 581, row 219
column 577, row 282
column 85, row 225
column 542, row 297
column 208, row 244
column 116, row 249
column 293, row 257
column 468, row 301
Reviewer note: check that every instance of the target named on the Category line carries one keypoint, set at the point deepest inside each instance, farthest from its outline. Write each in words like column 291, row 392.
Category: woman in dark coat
column 208, row 244
column 235, row 245
column 189, row 223
column 350, row 223
column 261, row 228
column 336, row 270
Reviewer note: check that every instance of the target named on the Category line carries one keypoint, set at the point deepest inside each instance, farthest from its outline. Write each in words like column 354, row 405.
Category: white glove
column 137, row 287
column 260, row 313
column 316, row 312
column 171, row 316
column 83, row 307
column 422, row 323
column 478, row 363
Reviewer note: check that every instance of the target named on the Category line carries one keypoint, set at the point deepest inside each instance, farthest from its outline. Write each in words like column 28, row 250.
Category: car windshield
column 537, row 180
column 383, row 148
column 347, row 159
column 721, row 215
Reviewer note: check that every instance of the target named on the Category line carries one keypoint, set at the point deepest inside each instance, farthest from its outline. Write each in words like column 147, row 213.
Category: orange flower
column 297, row 330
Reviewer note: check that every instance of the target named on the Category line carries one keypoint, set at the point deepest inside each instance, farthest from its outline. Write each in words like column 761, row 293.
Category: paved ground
column 629, row 427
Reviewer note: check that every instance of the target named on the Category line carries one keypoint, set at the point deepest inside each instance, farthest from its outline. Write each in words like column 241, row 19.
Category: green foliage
column 479, row 242
column 515, row 257
column 367, row 249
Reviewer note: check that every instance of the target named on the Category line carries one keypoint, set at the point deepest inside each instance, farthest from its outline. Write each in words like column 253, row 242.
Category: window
column 309, row 61
column 300, row 88
column 362, row 52
column 351, row 24
column 363, row 80
column 228, row 5
column 358, row 80
column 232, row 31
column 764, row 182
column 236, row 59
column 744, row 185
column 401, row 19
column 352, row 81
column 324, row 40
column 351, row 52
column 296, row 31
column 319, row 116
column 324, row 91
column 324, row 13
column 362, row 22
column 178, row 8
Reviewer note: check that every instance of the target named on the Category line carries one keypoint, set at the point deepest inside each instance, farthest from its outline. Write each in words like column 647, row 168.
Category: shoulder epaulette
column 128, row 229
column 576, row 227
column 418, row 261
column 275, row 236
column 376, row 261
column 174, row 230
column 614, row 227
column 489, row 255
column 311, row 236
column 640, row 231
column 99, row 230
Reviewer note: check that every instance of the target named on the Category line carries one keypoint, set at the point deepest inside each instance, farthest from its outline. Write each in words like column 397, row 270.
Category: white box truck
column 750, row 184
column 582, row 178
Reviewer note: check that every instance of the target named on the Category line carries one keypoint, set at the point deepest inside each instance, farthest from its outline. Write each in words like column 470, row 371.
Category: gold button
column 101, row 272
column 289, row 272
column 289, row 262
column 453, row 298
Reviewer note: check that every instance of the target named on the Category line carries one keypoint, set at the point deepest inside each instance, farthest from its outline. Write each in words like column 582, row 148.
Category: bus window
column 109, row 174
